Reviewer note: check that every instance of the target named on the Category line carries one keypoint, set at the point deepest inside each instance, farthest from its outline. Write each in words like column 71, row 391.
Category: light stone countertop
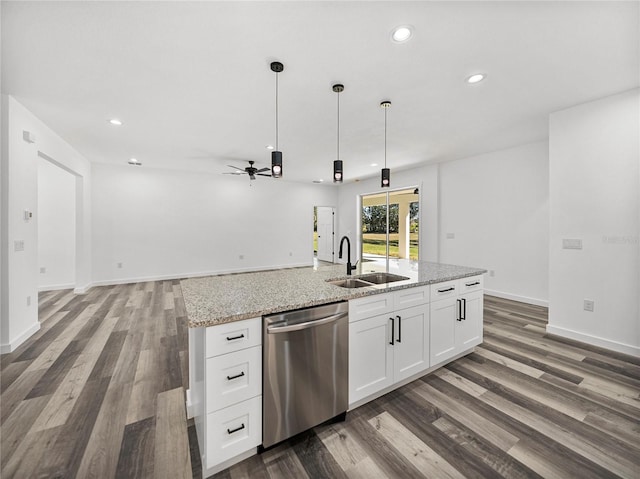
column 213, row 300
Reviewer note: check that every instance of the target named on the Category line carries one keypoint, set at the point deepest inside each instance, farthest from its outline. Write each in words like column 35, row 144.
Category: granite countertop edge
column 203, row 311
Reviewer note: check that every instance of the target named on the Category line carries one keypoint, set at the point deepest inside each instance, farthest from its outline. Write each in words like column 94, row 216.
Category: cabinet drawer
column 228, row 337
column 233, row 430
column 443, row 290
column 233, row 377
column 361, row 308
column 473, row 283
column 406, row 298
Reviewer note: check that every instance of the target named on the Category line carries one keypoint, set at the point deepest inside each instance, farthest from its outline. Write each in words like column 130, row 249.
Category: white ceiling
column 192, row 84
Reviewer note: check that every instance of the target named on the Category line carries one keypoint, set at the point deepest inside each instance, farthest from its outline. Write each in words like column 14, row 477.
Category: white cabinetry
column 456, row 318
column 227, row 392
column 388, row 340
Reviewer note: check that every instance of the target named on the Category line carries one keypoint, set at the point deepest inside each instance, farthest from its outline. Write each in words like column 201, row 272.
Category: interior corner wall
column 56, row 227
column 595, row 197
column 20, row 177
column 152, row 224
column 494, row 215
column 424, row 177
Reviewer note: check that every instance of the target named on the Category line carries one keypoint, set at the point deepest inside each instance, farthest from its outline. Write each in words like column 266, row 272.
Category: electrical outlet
column 290, row 253
column 28, row 300
column 18, row 245
column 492, row 272
column 43, row 270
column 119, row 265
column 241, row 256
column 588, row 305
column 451, row 235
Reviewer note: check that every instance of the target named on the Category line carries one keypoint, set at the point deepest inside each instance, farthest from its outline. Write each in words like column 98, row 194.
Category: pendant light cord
column 277, row 112
column 385, row 137
column 338, row 148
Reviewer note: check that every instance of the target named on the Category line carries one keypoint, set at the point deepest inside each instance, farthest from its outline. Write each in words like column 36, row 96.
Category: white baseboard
column 594, row 340
column 166, row 277
column 515, row 297
column 56, row 287
column 13, row 345
column 82, row 289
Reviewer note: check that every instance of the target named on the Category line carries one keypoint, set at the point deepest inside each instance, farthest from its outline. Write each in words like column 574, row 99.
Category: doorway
column 390, row 225
column 324, row 233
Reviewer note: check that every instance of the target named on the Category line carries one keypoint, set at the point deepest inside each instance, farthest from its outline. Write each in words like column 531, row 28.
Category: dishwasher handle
column 274, row 329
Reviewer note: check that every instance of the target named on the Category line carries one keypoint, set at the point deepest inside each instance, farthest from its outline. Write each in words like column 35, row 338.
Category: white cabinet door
column 469, row 330
column 442, row 341
column 411, row 343
column 370, row 357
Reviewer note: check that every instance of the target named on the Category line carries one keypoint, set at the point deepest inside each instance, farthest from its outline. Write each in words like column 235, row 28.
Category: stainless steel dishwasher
column 306, row 370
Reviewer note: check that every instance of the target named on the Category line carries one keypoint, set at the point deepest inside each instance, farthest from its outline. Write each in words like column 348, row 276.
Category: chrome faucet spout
column 350, row 267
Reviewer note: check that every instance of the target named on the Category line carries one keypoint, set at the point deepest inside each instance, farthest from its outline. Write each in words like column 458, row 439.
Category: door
column 411, row 349
column 442, row 340
column 469, row 330
column 370, row 357
column 325, row 220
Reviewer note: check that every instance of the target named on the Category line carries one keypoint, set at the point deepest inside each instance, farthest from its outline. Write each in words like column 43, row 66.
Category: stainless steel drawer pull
column 472, row 284
column 445, row 290
column 235, row 337
column 231, row 378
column 231, row 431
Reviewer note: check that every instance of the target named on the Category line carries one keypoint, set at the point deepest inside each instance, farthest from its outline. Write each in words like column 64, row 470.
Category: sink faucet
column 350, row 267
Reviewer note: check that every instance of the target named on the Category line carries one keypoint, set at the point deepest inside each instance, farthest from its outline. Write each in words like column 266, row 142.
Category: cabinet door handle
column 393, row 331
column 472, row 284
column 231, row 378
column 459, row 315
column 399, row 329
column 464, row 309
column 231, row 431
column 446, row 289
column 235, row 337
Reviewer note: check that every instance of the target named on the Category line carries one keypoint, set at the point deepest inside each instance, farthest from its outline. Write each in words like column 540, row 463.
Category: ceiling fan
column 250, row 170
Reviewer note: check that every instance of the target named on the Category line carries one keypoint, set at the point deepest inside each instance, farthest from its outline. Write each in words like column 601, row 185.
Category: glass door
column 390, row 225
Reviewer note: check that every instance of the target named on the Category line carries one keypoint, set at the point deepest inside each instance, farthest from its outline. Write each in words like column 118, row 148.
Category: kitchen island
column 439, row 307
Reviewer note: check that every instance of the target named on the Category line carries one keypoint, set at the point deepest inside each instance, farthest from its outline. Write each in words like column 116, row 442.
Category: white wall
column 56, row 227
column 594, row 196
column 19, row 192
column 168, row 224
column 496, row 207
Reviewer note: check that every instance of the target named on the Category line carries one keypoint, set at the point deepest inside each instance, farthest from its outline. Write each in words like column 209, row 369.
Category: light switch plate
column 18, row 245
column 571, row 244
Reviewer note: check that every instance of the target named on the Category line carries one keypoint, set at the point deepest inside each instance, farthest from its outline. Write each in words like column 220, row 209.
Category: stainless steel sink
column 350, row 283
column 380, row 278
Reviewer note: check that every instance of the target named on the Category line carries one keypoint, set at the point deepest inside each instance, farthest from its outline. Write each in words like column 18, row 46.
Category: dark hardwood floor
column 98, row 392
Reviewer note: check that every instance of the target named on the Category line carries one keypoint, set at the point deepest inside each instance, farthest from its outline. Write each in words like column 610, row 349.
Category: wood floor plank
column 315, row 458
column 172, row 455
column 136, row 459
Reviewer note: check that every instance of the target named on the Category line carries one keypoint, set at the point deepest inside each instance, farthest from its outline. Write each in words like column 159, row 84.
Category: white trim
column 142, row 279
column 13, row 345
column 594, row 340
column 56, row 287
column 189, row 405
column 82, row 289
column 515, row 297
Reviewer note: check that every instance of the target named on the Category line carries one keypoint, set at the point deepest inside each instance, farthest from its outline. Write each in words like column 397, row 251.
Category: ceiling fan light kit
column 385, row 179
column 276, row 155
column 337, row 164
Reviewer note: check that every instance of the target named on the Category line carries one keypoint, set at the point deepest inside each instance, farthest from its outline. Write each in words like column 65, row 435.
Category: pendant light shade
column 385, row 178
column 337, row 164
column 276, row 156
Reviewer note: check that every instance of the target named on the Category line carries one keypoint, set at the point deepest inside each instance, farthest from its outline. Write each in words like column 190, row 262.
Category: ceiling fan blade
column 231, row 166
column 263, row 169
column 252, row 177
column 262, row 174
column 234, row 173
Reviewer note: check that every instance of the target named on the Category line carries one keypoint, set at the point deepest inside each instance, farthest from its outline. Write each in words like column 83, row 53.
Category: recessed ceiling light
column 374, row 164
column 402, row 33
column 115, row 121
column 269, row 147
column 476, row 77
column 135, row 162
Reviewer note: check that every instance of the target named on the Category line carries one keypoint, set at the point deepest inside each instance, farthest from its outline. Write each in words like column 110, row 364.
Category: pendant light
column 276, row 155
column 337, row 164
column 385, row 180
